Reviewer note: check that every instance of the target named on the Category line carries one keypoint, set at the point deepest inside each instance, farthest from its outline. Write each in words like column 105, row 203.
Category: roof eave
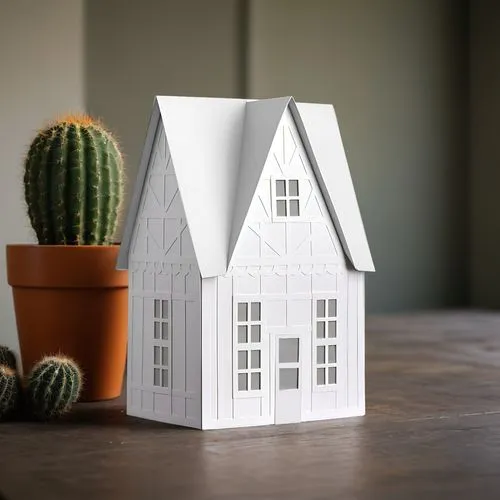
column 123, row 255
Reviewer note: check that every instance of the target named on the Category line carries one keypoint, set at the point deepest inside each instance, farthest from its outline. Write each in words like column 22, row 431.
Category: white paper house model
column 246, row 255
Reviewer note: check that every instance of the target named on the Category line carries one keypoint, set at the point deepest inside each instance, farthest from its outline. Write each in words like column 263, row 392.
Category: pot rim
column 55, row 266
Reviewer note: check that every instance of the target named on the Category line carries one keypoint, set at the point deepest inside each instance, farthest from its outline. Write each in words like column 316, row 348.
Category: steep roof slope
column 219, row 148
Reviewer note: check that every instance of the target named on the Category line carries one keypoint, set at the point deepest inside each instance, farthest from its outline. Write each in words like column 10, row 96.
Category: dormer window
column 287, row 198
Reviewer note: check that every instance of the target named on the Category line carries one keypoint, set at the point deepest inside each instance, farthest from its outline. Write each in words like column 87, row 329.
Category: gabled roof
column 219, row 148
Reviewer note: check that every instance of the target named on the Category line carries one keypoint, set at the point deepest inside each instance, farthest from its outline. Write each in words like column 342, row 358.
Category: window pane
column 320, row 358
column 320, row 329
column 156, row 355
column 332, row 329
column 289, row 350
column 320, row 312
column 164, row 378
column 164, row 309
column 332, row 354
column 164, row 356
column 255, row 382
column 242, row 334
column 242, row 382
column 332, row 375
column 281, row 208
column 242, row 311
column 255, row 313
column 164, row 331
column 242, row 360
column 280, row 188
column 332, row 308
column 255, row 333
column 293, row 188
column 255, row 359
column 157, row 309
column 156, row 330
column 289, row 378
column 320, row 376
column 294, row 208
column 156, row 376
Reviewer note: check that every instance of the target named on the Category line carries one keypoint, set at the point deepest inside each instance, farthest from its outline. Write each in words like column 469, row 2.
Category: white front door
column 288, row 376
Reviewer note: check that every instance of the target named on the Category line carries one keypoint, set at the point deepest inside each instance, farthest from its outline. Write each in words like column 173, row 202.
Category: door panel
column 288, row 376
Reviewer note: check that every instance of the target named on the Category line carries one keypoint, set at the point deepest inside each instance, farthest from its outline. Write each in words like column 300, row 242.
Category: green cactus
column 9, row 391
column 73, row 183
column 7, row 357
column 53, row 386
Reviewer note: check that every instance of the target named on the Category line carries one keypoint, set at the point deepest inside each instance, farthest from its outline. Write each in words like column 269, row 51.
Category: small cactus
column 54, row 384
column 7, row 357
column 9, row 391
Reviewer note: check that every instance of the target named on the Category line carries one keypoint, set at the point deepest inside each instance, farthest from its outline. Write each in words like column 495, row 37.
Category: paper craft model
column 246, row 255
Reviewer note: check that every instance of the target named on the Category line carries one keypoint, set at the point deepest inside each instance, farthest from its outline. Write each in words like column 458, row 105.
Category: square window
column 320, row 375
column 332, row 308
column 255, row 382
column 332, row 354
column 321, row 311
column 164, row 378
column 164, row 309
column 332, row 329
column 242, row 334
column 293, row 188
column 156, row 330
column 289, row 378
column 255, row 312
column 255, row 359
column 157, row 308
column 281, row 208
column 156, row 377
column 320, row 355
column 332, row 375
column 320, row 329
column 156, row 355
column 164, row 331
column 255, row 333
column 242, row 382
column 242, row 360
column 242, row 311
column 294, row 208
column 280, row 188
column 164, row 356
column 289, row 350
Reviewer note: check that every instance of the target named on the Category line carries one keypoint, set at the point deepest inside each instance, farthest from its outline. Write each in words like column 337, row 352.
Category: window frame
column 325, row 342
column 287, row 198
column 160, row 342
column 248, row 347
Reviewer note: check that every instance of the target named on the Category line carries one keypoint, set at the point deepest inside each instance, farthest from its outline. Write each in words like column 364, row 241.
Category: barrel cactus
column 9, row 391
column 53, row 385
column 73, row 183
column 7, row 357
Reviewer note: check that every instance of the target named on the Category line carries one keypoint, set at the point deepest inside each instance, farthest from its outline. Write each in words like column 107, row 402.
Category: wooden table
column 432, row 431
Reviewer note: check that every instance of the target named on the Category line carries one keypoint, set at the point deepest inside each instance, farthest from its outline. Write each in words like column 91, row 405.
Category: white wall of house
column 287, row 264
column 165, row 303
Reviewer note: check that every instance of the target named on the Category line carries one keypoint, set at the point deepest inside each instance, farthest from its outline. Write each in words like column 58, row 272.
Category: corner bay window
column 325, row 343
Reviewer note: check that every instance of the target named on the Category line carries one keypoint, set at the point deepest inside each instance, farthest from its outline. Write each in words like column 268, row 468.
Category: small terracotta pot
column 71, row 299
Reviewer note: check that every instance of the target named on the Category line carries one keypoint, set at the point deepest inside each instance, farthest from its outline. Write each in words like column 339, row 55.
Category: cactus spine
column 54, row 384
column 9, row 391
column 7, row 357
column 73, row 183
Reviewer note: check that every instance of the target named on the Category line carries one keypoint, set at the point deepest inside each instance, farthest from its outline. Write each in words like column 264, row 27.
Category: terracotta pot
column 72, row 300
